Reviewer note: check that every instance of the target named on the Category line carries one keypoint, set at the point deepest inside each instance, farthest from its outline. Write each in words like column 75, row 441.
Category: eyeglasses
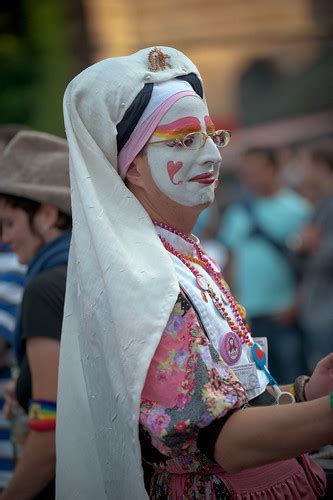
column 197, row 140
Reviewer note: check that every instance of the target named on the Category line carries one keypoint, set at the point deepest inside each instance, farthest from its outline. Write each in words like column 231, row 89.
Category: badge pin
column 230, row 348
column 202, row 283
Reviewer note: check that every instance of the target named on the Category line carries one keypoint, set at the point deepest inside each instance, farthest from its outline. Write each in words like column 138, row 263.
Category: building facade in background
column 260, row 60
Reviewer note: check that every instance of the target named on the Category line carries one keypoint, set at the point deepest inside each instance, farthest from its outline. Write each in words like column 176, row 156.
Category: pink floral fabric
column 187, row 385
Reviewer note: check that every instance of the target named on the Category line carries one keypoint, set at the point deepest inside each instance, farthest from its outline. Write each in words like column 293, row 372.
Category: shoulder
column 295, row 201
column 48, row 288
column 43, row 304
column 49, row 280
column 292, row 209
column 237, row 208
column 235, row 224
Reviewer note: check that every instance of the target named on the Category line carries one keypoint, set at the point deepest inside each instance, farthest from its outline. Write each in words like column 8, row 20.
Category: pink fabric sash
column 290, row 479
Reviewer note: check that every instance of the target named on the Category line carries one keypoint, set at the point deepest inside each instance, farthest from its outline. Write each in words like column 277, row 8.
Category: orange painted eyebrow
column 179, row 127
column 209, row 124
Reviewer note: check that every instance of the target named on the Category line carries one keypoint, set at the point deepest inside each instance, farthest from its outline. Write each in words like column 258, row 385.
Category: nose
column 210, row 153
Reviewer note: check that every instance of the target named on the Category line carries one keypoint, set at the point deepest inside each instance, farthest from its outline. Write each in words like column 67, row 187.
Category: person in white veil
column 152, row 337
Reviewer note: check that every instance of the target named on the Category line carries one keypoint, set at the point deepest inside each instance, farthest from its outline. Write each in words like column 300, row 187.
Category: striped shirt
column 11, row 290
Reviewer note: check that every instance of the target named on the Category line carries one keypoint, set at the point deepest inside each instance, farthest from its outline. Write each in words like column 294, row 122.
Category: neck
column 271, row 190
column 52, row 234
column 164, row 210
column 181, row 222
column 49, row 235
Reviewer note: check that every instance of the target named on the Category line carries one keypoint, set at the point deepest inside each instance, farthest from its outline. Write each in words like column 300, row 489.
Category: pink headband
column 143, row 131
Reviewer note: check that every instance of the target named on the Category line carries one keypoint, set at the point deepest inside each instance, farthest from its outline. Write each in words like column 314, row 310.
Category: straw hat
column 35, row 165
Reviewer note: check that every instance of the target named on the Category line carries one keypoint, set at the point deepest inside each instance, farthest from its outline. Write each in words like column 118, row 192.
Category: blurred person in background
column 208, row 223
column 257, row 231
column 36, row 224
column 11, row 290
column 315, row 243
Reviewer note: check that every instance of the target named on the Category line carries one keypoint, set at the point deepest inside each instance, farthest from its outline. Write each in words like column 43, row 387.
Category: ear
column 135, row 172
column 47, row 216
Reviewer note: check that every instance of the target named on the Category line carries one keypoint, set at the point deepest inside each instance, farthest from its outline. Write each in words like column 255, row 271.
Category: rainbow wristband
column 42, row 415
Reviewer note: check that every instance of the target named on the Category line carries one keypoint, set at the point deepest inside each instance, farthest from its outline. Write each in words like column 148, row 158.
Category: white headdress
column 121, row 286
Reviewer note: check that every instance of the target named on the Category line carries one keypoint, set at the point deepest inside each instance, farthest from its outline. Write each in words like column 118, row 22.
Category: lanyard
column 259, row 357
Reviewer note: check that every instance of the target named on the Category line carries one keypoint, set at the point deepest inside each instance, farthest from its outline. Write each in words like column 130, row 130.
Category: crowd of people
column 138, row 367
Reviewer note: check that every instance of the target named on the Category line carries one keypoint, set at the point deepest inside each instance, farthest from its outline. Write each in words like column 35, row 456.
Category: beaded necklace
column 238, row 327
column 193, row 259
column 204, row 265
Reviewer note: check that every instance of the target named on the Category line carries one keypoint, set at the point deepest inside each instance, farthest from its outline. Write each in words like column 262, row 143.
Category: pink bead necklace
column 239, row 328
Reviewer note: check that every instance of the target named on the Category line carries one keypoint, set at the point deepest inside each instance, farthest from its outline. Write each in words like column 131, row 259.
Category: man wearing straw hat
column 35, row 216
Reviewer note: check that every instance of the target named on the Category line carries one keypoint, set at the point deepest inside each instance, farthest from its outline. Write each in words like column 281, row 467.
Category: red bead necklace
column 239, row 328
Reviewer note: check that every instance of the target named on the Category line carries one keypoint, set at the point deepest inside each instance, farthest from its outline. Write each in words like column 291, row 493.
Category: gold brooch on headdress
column 158, row 60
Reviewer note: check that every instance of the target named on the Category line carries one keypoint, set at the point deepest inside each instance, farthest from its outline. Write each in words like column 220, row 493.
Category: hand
column 10, row 400
column 321, row 381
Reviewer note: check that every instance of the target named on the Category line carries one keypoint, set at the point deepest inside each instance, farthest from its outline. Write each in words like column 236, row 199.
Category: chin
column 205, row 205
column 22, row 259
column 208, row 199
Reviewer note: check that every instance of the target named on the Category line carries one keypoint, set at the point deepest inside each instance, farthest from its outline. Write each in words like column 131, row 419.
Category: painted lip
column 205, row 178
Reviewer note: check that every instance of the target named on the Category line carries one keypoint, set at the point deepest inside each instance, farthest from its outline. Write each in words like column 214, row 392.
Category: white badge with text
column 247, row 375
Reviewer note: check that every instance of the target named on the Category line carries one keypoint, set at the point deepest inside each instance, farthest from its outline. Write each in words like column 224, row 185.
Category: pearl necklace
column 239, row 328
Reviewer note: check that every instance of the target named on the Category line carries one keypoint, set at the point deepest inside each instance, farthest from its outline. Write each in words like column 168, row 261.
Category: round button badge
column 230, row 348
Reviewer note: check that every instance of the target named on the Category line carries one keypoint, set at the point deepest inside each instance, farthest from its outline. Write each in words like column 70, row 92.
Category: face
column 16, row 232
column 257, row 175
column 187, row 177
column 315, row 179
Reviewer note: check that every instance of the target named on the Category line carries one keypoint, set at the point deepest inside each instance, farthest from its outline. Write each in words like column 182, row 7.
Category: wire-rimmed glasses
column 197, row 140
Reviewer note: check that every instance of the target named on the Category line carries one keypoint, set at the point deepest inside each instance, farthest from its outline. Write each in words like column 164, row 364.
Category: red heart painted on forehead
column 173, row 168
column 259, row 353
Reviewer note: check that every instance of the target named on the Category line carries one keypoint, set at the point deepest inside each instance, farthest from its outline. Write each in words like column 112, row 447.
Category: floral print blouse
column 187, row 386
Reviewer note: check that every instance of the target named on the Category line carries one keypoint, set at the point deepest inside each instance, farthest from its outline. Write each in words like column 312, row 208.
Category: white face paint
column 188, row 177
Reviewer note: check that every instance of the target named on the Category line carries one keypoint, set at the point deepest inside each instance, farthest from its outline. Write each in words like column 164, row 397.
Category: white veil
column 120, row 292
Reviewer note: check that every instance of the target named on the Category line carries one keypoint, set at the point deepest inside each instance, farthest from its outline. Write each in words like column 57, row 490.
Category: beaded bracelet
column 299, row 388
